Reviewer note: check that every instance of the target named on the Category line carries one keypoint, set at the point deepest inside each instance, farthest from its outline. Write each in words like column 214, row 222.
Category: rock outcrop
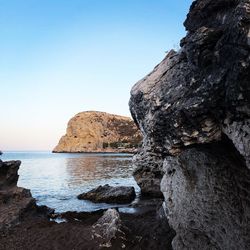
column 109, row 194
column 15, row 202
column 194, row 113
column 94, row 131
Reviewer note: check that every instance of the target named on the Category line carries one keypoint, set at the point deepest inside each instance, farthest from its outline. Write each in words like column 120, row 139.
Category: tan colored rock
column 94, row 131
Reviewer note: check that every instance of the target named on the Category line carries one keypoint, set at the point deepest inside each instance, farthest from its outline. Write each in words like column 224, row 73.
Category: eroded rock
column 200, row 95
column 206, row 192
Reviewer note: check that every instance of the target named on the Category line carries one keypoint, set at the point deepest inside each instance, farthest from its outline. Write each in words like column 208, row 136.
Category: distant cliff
column 94, row 131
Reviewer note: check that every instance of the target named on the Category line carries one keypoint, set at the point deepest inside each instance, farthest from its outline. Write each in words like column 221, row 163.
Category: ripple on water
column 56, row 179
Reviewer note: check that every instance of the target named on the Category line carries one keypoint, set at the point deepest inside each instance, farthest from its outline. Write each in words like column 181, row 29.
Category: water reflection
column 56, row 179
column 82, row 171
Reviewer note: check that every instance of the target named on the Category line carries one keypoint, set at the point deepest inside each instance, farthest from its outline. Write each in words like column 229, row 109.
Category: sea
column 55, row 179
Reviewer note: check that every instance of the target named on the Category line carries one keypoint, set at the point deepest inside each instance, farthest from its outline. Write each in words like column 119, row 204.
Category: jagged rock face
column 206, row 192
column 200, row 95
column 94, row 131
column 14, row 201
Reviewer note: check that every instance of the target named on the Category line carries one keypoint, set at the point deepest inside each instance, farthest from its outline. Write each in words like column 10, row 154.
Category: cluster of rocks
column 193, row 110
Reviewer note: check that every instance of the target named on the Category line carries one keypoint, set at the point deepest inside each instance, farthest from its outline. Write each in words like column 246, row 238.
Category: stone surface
column 15, row 202
column 108, row 228
column 196, row 96
column 94, row 131
column 109, row 194
column 148, row 173
column 206, row 192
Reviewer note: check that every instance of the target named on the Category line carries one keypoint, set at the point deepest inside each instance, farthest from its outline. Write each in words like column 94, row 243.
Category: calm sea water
column 56, row 179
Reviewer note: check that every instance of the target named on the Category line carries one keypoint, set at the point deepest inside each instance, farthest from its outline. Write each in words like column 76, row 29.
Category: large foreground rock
column 109, row 194
column 200, row 96
column 94, row 131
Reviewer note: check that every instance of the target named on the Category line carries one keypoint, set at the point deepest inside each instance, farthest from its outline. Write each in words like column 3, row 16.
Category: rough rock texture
column 94, row 131
column 196, row 96
column 108, row 228
column 109, row 194
column 206, row 190
column 14, row 201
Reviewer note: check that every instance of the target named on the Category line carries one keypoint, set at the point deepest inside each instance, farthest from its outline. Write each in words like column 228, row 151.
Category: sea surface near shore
column 56, row 179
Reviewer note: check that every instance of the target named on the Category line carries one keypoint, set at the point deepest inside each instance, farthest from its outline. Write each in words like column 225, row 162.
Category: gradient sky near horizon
column 61, row 57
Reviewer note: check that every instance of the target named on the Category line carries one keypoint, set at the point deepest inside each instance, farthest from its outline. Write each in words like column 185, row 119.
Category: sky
column 61, row 57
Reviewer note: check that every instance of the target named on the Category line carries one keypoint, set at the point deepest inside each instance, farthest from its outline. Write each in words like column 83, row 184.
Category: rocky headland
column 194, row 113
column 94, row 131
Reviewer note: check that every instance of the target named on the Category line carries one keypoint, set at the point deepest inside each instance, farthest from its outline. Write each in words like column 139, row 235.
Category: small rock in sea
column 109, row 194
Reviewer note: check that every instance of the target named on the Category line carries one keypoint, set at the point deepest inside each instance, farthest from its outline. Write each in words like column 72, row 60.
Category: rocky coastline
column 24, row 225
column 193, row 111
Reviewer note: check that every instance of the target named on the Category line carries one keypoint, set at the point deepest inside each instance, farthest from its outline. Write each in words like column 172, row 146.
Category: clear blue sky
column 61, row 57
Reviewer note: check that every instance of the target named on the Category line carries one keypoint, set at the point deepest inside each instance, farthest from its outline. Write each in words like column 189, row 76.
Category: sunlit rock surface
column 94, row 131
column 192, row 108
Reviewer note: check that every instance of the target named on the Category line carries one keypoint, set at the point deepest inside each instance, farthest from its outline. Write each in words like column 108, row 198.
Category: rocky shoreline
column 24, row 225
column 193, row 110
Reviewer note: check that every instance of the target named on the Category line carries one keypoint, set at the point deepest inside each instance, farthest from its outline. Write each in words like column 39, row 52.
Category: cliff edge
column 94, row 131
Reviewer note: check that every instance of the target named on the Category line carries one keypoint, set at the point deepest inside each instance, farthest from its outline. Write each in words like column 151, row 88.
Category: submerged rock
column 109, row 194
column 200, row 96
column 94, row 131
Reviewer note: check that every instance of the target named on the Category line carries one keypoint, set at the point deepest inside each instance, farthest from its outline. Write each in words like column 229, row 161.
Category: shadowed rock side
column 94, row 131
column 15, row 202
column 193, row 110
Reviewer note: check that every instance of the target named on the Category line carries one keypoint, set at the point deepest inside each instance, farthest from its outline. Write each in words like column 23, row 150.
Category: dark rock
column 16, row 203
column 200, row 95
column 80, row 216
column 109, row 194
column 148, row 173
